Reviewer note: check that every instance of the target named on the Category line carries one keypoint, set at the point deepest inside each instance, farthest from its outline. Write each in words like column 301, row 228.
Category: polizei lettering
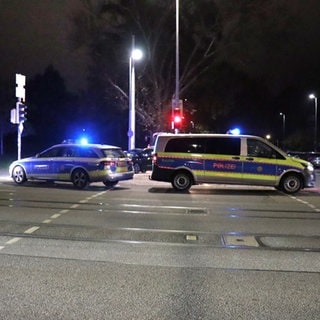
column 224, row 166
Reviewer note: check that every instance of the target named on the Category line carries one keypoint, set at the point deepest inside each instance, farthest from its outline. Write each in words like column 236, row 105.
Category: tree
column 106, row 28
column 50, row 107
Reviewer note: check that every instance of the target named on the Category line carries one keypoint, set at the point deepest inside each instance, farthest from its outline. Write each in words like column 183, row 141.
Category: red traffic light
column 177, row 119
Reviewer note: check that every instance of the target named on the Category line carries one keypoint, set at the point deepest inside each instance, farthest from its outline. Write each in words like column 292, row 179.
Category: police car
column 77, row 163
column 188, row 159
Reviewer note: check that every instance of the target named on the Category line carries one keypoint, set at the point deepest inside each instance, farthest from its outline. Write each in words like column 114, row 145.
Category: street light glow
column 312, row 96
column 136, row 54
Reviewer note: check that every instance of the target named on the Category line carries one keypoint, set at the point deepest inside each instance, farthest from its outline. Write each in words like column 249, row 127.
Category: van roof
column 187, row 135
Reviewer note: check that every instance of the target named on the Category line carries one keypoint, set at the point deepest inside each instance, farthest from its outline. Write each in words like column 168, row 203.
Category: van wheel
column 291, row 183
column 182, row 181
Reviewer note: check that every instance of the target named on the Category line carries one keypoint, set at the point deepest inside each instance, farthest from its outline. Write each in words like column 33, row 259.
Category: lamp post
column 176, row 103
column 283, row 126
column 312, row 96
column 135, row 54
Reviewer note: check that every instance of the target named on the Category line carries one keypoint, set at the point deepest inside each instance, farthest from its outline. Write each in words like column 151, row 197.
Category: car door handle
column 250, row 159
column 236, row 158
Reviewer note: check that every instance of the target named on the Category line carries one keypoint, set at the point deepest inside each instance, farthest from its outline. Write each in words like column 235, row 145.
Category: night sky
column 34, row 34
column 276, row 43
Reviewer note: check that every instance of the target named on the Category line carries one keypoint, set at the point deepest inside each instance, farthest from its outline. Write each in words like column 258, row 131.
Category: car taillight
column 108, row 164
column 154, row 158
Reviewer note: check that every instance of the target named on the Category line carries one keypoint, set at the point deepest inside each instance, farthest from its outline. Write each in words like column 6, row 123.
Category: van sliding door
column 223, row 163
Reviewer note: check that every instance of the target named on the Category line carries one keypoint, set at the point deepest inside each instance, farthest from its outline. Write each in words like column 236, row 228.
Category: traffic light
column 21, row 112
column 177, row 118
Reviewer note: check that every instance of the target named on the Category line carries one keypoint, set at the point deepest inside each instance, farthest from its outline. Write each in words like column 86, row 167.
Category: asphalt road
column 143, row 251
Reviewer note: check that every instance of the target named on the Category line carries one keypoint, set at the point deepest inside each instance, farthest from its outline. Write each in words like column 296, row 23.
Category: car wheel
column 19, row 175
column 110, row 184
column 182, row 181
column 291, row 183
column 80, row 179
column 136, row 167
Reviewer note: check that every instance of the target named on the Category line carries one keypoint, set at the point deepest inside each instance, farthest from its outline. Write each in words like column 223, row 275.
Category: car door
column 42, row 165
column 64, row 162
column 223, row 163
column 259, row 163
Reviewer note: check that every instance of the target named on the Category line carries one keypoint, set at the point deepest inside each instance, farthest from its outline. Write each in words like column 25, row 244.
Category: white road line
column 13, row 240
column 312, row 206
column 31, row 230
column 55, row 216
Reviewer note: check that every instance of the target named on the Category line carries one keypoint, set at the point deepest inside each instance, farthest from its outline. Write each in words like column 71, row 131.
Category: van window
column 259, row 149
column 230, row 146
column 185, row 145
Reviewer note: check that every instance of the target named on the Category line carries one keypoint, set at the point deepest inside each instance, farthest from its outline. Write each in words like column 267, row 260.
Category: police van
column 188, row 159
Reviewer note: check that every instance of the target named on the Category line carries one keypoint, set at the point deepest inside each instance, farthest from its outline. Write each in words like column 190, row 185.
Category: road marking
column 191, row 237
column 31, row 230
column 54, row 216
column 13, row 240
column 308, row 204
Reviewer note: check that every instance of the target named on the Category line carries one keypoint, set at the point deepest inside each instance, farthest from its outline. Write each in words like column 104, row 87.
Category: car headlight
column 310, row 167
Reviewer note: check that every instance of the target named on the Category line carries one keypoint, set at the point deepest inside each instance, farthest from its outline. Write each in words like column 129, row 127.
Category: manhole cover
column 240, row 241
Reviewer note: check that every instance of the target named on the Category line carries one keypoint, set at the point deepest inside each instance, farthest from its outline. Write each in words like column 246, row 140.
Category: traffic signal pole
column 20, row 108
column 20, row 129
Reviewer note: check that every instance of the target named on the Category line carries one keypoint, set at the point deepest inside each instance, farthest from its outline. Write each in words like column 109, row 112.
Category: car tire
column 182, row 181
column 110, row 184
column 80, row 179
column 136, row 167
column 291, row 183
column 19, row 175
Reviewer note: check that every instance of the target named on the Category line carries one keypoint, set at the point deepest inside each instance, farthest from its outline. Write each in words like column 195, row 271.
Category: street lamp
column 136, row 54
column 283, row 126
column 312, row 96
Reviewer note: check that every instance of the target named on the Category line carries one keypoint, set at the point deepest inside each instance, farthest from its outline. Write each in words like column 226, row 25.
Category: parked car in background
column 77, row 163
column 315, row 160
column 311, row 156
column 141, row 159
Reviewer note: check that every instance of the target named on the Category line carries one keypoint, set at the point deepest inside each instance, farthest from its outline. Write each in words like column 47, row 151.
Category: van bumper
column 160, row 174
column 310, row 179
